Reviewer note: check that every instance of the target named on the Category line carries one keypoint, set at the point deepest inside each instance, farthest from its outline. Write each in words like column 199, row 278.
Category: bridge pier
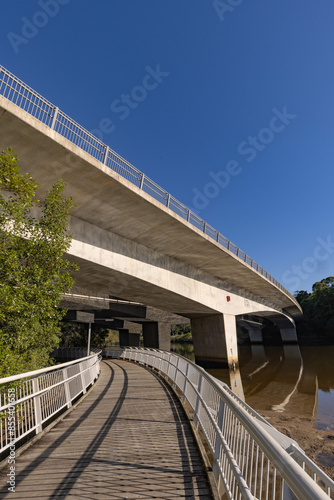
column 215, row 341
column 128, row 339
column 157, row 334
column 287, row 329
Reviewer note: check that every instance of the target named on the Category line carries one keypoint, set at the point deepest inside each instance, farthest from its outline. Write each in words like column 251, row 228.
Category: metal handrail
column 16, row 91
column 29, row 400
column 249, row 459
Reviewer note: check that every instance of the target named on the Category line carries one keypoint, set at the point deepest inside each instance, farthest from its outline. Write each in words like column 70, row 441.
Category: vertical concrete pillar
column 209, row 340
column 134, row 339
column 215, row 345
column 230, row 326
column 289, row 334
column 215, row 340
column 124, row 337
column 287, row 329
column 127, row 339
column 157, row 334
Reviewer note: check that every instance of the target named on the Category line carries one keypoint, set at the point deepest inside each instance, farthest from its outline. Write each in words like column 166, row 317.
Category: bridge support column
column 127, row 339
column 157, row 334
column 124, row 337
column 287, row 329
column 289, row 334
column 215, row 344
column 209, row 340
column 215, row 340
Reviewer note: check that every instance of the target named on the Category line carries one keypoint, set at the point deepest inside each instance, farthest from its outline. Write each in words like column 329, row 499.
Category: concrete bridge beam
column 157, row 334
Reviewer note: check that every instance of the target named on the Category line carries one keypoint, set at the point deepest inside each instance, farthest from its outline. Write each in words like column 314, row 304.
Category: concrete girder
column 131, row 245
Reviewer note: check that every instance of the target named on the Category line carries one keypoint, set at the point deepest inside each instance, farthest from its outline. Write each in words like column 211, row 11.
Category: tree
column 33, row 272
column 318, row 308
column 76, row 334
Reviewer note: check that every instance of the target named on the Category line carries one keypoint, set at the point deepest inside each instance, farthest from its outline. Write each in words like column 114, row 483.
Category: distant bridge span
column 129, row 244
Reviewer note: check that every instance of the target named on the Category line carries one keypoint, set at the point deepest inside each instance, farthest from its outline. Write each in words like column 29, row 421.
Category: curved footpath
column 129, row 438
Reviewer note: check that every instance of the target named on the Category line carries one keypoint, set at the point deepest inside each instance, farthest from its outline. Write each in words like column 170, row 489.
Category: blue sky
column 228, row 105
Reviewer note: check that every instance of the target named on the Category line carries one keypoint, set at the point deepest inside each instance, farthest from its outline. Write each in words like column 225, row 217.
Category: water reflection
column 288, row 379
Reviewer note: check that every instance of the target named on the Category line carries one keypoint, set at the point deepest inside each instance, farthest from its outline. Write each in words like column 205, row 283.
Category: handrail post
column 176, row 371
column 196, row 418
column 215, row 468
column 82, row 376
column 106, row 156
column 54, row 119
column 188, row 215
column 142, row 181
column 185, row 384
column 168, row 200
column 67, row 389
column 37, row 406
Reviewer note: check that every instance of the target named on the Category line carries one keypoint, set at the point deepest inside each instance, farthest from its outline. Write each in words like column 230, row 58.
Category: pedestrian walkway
column 129, row 438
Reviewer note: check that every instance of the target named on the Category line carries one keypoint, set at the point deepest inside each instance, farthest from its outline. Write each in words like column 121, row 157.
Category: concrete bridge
column 133, row 240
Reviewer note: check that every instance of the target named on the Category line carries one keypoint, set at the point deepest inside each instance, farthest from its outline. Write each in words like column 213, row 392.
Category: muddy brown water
column 287, row 379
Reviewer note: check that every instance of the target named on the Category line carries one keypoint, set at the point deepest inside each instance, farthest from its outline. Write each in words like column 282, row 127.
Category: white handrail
column 13, row 378
column 29, row 400
column 248, row 460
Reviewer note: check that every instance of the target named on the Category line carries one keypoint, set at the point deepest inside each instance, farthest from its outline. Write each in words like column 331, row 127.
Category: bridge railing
column 29, row 400
column 251, row 459
column 36, row 105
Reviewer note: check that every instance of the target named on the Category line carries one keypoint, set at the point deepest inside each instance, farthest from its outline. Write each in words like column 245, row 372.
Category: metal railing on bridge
column 29, row 401
column 16, row 91
column 251, row 459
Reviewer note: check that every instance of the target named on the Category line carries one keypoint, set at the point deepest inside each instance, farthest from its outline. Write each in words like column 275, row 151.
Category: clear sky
column 226, row 104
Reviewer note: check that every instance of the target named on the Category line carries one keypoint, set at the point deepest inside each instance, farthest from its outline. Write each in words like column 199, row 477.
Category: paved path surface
column 128, row 439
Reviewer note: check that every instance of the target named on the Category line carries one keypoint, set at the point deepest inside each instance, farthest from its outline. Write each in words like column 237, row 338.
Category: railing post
column 188, row 215
column 176, row 371
column 106, row 155
column 216, row 468
column 168, row 200
column 37, row 406
column 82, row 376
column 185, row 384
column 199, row 388
column 54, row 119
column 204, row 227
column 142, row 181
column 67, row 389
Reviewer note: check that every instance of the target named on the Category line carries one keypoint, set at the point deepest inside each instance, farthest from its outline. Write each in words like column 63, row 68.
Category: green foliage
column 76, row 335
column 181, row 333
column 33, row 272
column 318, row 308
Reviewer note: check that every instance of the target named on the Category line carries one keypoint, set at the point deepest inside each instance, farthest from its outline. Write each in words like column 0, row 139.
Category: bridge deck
column 128, row 439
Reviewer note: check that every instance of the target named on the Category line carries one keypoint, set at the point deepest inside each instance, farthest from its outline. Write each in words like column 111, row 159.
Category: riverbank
column 317, row 444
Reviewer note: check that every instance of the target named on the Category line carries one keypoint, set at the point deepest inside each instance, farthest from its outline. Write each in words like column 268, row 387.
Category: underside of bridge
column 130, row 245
column 132, row 320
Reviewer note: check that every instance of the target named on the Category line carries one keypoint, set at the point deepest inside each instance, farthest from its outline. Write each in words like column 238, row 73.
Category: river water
column 287, row 379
